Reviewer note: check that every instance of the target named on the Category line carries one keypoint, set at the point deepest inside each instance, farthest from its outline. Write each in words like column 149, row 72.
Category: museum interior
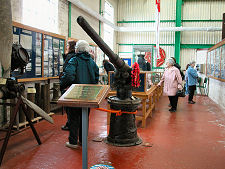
column 112, row 84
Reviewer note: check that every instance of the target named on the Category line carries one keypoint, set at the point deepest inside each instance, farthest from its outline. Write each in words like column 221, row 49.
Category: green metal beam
column 178, row 34
column 125, row 52
column 130, row 44
column 190, row 46
column 205, row 20
column 100, row 12
column 69, row 24
column 158, row 67
column 188, row 20
column 196, row 46
column 150, row 21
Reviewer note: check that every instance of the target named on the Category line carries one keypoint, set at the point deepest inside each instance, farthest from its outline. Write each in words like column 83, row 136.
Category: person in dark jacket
column 142, row 63
column 178, row 67
column 80, row 69
column 70, row 52
column 186, row 80
column 148, row 66
column 108, row 66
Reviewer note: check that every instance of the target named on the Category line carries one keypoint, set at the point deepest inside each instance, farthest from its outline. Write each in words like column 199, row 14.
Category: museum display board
column 84, row 95
column 45, row 50
column 215, row 67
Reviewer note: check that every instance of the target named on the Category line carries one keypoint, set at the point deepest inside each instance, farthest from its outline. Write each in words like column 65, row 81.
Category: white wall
column 217, row 91
column 186, row 55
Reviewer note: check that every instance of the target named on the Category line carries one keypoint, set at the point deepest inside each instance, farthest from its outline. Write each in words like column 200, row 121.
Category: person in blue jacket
column 80, row 69
column 192, row 81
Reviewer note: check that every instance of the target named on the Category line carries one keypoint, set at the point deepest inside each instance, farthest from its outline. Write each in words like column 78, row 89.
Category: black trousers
column 173, row 101
column 191, row 92
column 75, row 124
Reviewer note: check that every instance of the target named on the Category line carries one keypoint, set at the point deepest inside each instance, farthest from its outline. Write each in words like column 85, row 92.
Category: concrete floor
column 191, row 138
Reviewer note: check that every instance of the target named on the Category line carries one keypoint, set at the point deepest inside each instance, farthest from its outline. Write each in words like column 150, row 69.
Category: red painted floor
column 191, row 138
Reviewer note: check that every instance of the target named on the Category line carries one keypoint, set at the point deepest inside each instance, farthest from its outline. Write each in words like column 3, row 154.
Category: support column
column 177, row 34
column 69, row 18
column 223, row 27
column 100, row 12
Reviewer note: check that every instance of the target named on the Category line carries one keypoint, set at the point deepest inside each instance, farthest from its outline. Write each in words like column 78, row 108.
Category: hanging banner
column 157, row 24
column 162, row 56
column 148, row 56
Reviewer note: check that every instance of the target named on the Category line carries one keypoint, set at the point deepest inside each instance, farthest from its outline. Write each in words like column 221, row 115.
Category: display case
column 147, row 79
column 215, row 67
column 148, row 92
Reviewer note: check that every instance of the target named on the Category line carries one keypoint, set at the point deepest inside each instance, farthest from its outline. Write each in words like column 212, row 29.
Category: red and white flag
column 157, row 23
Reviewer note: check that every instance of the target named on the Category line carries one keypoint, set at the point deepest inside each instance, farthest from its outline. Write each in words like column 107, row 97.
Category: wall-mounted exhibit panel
column 45, row 50
column 216, row 61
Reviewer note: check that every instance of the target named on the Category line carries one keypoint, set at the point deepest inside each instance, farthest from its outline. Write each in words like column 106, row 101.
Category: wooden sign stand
column 81, row 92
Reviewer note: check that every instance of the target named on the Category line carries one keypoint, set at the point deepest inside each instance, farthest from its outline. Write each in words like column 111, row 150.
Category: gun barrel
column 114, row 59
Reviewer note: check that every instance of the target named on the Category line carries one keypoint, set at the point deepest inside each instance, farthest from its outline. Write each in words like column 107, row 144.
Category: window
column 108, row 31
column 41, row 14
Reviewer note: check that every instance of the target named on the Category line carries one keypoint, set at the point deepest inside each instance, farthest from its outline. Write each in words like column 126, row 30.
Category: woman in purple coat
column 172, row 83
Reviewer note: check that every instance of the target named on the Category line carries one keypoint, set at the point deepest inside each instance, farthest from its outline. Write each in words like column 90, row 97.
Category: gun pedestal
column 123, row 130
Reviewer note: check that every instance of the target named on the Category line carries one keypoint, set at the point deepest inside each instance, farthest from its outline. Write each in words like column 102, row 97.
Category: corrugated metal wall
column 203, row 9
column 144, row 10
column 201, row 37
column 186, row 55
column 146, row 37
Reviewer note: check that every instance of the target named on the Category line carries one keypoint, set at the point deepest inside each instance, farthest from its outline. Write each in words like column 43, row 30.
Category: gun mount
column 123, row 130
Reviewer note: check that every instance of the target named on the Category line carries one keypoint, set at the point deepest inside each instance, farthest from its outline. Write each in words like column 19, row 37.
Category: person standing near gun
column 70, row 52
column 80, row 69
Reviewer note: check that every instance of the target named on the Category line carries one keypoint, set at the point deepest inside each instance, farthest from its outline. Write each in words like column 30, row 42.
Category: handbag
column 181, row 93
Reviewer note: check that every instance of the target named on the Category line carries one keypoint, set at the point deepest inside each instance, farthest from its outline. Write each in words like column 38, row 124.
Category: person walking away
column 80, row 69
column 108, row 66
column 142, row 63
column 148, row 66
column 70, row 52
column 192, row 81
column 178, row 67
column 172, row 83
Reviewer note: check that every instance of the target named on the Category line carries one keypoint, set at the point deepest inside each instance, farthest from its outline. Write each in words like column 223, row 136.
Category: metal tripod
column 12, row 121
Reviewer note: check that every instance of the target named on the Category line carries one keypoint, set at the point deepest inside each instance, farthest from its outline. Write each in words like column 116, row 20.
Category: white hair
column 170, row 61
column 192, row 62
column 82, row 46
